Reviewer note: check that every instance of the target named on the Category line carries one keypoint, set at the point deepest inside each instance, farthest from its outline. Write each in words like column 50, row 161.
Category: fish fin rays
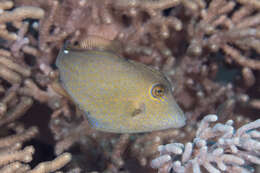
column 138, row 110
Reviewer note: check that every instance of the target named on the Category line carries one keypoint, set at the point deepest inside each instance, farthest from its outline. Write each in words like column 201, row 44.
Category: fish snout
column 180, row 120
column 178, row 117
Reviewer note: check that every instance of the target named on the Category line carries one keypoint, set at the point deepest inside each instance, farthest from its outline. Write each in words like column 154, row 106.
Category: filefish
column 117, row 94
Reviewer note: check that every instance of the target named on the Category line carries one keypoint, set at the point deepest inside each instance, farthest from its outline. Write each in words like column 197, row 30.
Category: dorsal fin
column 96, row 43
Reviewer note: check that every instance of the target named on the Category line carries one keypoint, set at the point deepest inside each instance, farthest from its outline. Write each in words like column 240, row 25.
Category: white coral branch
column 218, row 148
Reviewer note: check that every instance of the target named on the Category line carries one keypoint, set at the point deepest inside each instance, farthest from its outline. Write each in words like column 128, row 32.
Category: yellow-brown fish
column 116, row 94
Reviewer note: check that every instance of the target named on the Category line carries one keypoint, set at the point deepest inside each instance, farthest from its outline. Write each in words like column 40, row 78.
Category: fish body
column 116, row 94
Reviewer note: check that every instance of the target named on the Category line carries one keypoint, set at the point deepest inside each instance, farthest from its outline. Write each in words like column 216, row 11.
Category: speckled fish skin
column 109, row 89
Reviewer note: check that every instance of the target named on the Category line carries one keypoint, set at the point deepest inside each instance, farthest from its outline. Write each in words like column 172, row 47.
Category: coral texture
column 208, row 49
column 217, row 148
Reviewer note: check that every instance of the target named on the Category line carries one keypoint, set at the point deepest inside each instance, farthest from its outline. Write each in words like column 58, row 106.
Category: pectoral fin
column 138, row 110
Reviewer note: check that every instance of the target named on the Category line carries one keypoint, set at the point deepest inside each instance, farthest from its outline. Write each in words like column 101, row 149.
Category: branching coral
column 197, row 43
column 13, row 158
column 216, row 30
column 14, row 103
column 217, row 148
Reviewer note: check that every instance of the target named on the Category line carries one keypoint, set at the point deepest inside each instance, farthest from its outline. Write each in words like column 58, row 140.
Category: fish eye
column 158, row 90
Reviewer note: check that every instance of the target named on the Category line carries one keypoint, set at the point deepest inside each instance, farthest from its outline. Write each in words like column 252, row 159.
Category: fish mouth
column 178, row 117
column 181, row 120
